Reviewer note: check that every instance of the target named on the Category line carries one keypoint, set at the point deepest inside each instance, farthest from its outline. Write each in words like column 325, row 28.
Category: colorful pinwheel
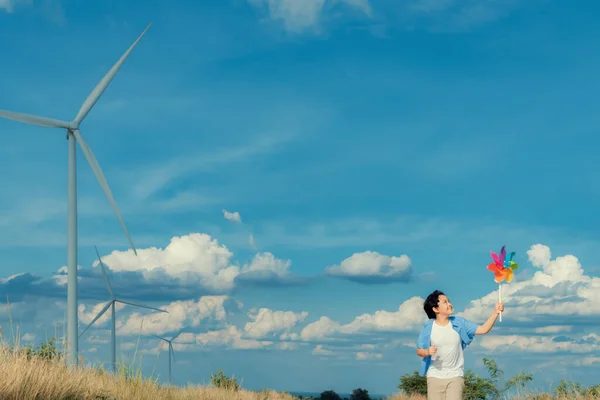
column 503, row 268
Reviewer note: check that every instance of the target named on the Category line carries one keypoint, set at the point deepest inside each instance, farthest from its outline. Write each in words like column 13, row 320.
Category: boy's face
column 444, row 306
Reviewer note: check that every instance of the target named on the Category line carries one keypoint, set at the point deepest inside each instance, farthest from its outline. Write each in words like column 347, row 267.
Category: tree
column 329, row 395
column 360, row 394
column 413, row 384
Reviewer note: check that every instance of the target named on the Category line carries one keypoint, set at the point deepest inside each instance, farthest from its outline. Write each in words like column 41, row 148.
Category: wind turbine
column 171, row 352
column 74, row 134
column 113, row 300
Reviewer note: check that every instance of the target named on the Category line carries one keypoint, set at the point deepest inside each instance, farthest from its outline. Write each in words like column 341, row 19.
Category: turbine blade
column 104, row 82
column 175, row 337
column 101, row 313
column 140, row 305
column 105, row 275
column 34, row 120
column 87, row 152
column 158, row 337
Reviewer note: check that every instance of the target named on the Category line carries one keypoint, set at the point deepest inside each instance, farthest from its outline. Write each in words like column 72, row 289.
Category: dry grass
column 23, row 378
column 33, row 378
column 37, row 379
column 524, row 396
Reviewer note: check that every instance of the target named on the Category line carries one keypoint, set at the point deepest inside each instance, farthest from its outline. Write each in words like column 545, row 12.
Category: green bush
column 360, row 394
column 219, row 380
column 330, row 395
column 476, row 387
column 576, row 389
column 46, row 351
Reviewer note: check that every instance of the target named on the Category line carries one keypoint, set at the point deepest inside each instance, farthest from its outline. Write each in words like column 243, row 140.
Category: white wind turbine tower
column 170, row 351
column 73, row 135
column 113, row 300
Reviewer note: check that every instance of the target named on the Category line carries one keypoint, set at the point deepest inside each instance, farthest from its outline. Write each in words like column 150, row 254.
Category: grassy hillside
column 40, row 374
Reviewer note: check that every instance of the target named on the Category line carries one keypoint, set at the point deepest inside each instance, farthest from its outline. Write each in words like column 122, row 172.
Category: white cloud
column 410, row 316
column 230, row 337
column 319, row 350
column 267, row 322
column 364, row 356
column 541, row 344
column 302, row 15
column 553, row 329
column 320, row 330
column 372, row 265
column 87, row 315
column 232, row 216
column 588, row 361
column 268, row 263
column 195, row 259
column 559, row 288
column 7, row 5
column 28, row 337
column 180, row 314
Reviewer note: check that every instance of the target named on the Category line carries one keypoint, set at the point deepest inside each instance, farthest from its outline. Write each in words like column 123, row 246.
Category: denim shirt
column 464, row 328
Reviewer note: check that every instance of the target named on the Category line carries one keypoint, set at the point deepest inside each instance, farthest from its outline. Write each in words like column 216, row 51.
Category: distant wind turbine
column 111, row 304
column 74, row 134
column 171, row 352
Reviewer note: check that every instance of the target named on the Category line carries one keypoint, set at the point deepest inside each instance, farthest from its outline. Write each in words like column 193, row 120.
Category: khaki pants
column 445, row 389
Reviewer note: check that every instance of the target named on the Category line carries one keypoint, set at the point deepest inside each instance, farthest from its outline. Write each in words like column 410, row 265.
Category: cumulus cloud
column 87, row 314
column 302, row 15
column 232, row 216
column 407, row 318
column 267, row 322
column 558, row 289
column 198, row 259
column 28, row 338
column 191, row 266
column 365, row 356
column 319, row 350
column 372, row 267
column 231, row 337
column 541, row 344
column 181, row 314
column 266, row 330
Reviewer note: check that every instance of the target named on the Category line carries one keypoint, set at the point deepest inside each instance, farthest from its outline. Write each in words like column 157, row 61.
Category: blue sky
column 352, row 130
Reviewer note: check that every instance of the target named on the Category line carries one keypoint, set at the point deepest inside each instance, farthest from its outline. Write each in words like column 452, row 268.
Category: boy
column 441, row 344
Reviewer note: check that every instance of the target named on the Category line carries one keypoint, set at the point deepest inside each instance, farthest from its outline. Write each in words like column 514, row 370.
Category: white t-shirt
column 448, row 361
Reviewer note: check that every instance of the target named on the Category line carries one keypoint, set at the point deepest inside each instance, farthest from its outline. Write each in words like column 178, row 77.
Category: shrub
column 330, row 395
column 360, row 394
column 219, row 380
column 476, row 387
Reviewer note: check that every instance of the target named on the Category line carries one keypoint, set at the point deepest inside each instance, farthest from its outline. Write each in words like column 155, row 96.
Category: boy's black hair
column 433, row 300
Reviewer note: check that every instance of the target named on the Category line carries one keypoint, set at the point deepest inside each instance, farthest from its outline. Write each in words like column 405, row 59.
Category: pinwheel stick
column 500, row 298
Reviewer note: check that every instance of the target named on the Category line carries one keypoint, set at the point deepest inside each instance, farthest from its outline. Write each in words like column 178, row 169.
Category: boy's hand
column 499, row 307
column 432, row 350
